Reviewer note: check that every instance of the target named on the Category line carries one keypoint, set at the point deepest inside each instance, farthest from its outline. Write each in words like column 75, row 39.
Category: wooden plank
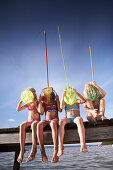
column 14, row 138
column 94, row 132
column 16, row 165
column 99, row 131
column 9, row 147
column 92, row 135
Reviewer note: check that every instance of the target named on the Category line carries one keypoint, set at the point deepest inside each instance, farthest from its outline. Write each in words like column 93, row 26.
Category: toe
column 55, row 159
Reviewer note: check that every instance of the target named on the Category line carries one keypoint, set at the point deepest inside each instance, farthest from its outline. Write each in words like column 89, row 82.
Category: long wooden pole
column 91, row 63
column 46, row 60
column 63, row 56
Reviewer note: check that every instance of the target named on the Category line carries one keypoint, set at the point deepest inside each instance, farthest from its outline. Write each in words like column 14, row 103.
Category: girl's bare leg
column 34, row 141
column 53, row 124
column 40, row 127
column 61, row 132
column 81, row 132
column 90, row 117
column 22, row 136
column 102, row 109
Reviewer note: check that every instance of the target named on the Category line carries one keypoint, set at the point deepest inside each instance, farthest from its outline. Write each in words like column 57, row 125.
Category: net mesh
column 27, row 96
column 92, row 93
column 70, row 97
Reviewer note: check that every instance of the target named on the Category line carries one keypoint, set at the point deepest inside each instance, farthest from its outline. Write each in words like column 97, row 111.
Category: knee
column 90, row 118
column 53, row 124
column 79, row 120
column 33, row 125
column 61, row 122
column 22, row 126
column 39, row 126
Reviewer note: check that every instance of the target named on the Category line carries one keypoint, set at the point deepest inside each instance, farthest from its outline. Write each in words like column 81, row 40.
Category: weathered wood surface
column 99, row 131
column 94, row 132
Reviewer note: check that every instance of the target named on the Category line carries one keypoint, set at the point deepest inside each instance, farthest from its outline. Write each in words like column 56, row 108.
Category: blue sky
column 22, row 50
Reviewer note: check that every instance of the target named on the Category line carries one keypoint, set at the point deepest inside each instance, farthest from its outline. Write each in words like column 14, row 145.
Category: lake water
column 99, row 158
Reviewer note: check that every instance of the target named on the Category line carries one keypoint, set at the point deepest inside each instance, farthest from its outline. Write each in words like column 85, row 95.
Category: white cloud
column 11, row 120
column 107, row 82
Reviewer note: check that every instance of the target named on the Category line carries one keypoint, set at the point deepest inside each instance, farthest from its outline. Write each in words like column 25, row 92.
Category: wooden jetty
column 95, row 132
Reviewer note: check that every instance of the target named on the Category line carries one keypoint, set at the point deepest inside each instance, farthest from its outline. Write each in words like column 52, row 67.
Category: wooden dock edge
column 100, row 131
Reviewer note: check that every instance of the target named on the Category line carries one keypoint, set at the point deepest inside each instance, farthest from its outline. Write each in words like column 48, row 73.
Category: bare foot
column 84, row 149
column 103, row 118
column 60, row 151
column 31, row 155
column 44, row 157
column 55, row 159
column 20, row 157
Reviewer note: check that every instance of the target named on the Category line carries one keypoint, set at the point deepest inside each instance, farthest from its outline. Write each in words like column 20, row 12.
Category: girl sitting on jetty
column 33, row 119
column 72, row 116
column 51, row 108
column 95, row 104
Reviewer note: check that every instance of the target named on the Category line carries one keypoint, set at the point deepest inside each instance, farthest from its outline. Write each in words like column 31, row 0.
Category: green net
column 92, row 93
column 70, row 97
column 27, row 96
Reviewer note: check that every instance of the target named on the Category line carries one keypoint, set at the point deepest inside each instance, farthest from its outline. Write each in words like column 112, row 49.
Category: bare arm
column 63, row 105
column 21, row 107
column 92, row 111
column 87, row 109
column 58, row 103
column 82, row 99
column 40, row 106
column 36, row 103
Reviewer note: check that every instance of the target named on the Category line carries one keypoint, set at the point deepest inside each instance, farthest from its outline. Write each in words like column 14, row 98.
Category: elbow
column 62, row 106
column 60, row 110
column 104, row 94
column 84, row 100
column 17, row 109
column 41, row 113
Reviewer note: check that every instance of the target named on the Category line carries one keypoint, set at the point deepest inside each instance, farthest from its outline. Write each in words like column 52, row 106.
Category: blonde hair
column 31, row 89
